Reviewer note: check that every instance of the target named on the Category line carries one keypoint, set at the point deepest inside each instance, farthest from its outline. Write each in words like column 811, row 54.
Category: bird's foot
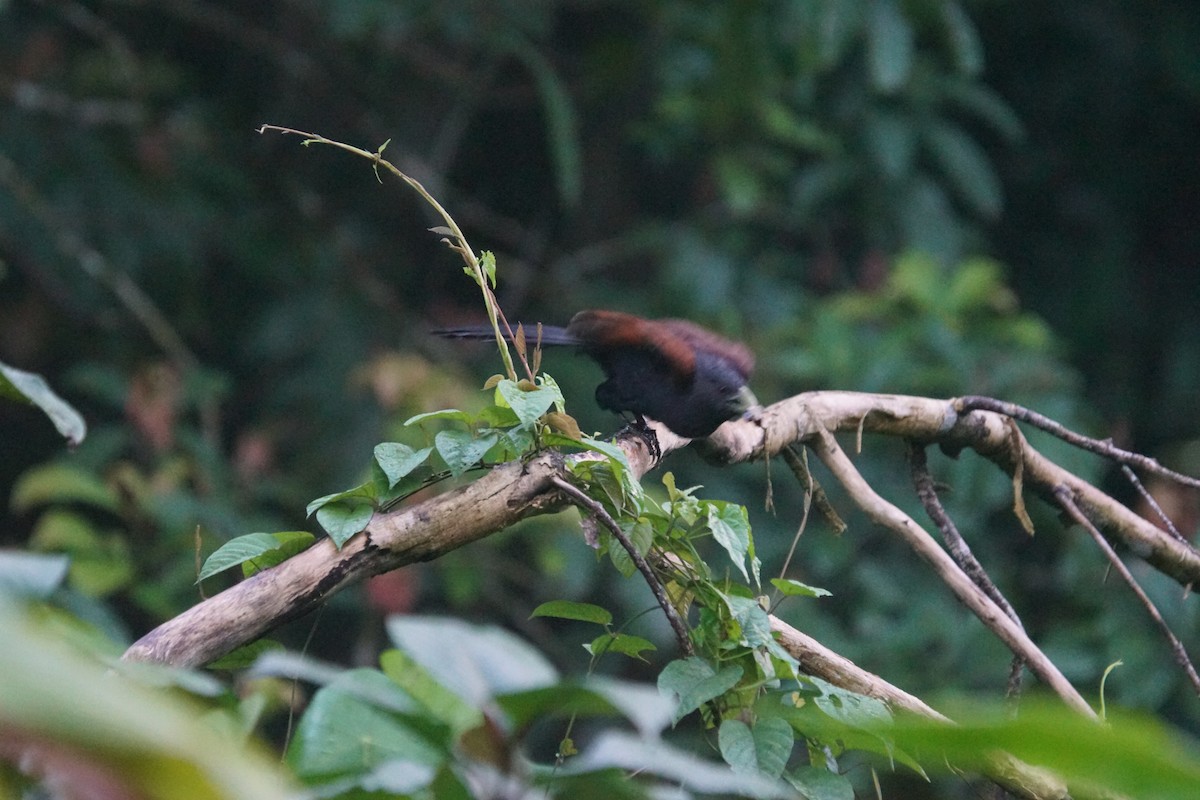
column 639, row 426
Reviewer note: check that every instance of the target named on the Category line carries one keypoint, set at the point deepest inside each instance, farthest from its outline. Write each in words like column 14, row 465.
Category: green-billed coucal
column 671, row 370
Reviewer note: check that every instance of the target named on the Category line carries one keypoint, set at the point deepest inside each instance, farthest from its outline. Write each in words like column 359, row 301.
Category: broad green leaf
column 850, row 708
column 441, row 703
column 55, row 483
column 476, row 662
column 600, row 446
column 288, row 544
column 398, row 460
column 643, row 705
column 730, row 526
column 691, row 682
column 562, row 700
column 619, row 556
column 637, row 755
column 340, row 734
column 237, row 551
column 1129, row 755
column 364, row 491
column 528, row 406
column 462, row 450
column 626, row 645
column 30, row 388
column 641, row 534
column 32, row 575
column 818, row 783
column 569, row 609
column 446, row 413
column 890, row 46
column 793, row 588
column 811, row 719
column 398, row 777
column 263, row 549
column 369, row 685
column 498, row 417
column 341, row 520
column 753, row 619
column 158, row 746
column 547, row 382
column 763, row 749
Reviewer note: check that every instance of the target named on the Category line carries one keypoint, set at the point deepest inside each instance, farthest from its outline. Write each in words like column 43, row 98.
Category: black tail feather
column 551, row 334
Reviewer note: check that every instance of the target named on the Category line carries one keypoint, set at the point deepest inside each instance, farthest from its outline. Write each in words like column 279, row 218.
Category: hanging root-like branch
column 1065, row 499
column 599, row 513
column 795, row 460
column 958, row 548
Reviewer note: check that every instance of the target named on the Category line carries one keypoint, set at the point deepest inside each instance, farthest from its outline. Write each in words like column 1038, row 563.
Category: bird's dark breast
column 639, row 383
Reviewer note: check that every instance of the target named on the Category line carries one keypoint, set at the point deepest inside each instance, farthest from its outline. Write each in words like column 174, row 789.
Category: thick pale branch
column 420, row 532
column 819, row 661
column 929, row 420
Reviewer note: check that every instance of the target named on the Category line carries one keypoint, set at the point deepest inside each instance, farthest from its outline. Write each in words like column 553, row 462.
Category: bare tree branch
column 409, row 534
column 933, row 421
column 959, row 550
column 886, row 514
column 1101, row 447
column 1177, row 648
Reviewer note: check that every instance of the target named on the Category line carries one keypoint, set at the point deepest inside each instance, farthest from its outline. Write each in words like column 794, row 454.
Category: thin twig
column 459, row 242
column 1153, row 504
column 1067, row 501
column 660, row 593
column 1101, row 447
column 959, row 550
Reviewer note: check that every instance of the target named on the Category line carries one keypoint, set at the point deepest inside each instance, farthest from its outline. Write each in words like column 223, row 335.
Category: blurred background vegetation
column 923, row 197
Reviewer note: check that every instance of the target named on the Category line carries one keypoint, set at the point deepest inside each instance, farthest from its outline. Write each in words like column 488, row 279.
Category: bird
column 669, row 370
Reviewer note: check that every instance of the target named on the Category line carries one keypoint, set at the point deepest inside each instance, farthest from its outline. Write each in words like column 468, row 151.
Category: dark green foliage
column 875, row 195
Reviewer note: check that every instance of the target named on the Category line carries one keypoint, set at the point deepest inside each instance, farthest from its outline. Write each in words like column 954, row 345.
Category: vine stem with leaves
column 483, row 275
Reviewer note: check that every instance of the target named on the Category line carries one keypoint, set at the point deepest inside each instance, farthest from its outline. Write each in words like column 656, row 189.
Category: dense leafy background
column 925, row 197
